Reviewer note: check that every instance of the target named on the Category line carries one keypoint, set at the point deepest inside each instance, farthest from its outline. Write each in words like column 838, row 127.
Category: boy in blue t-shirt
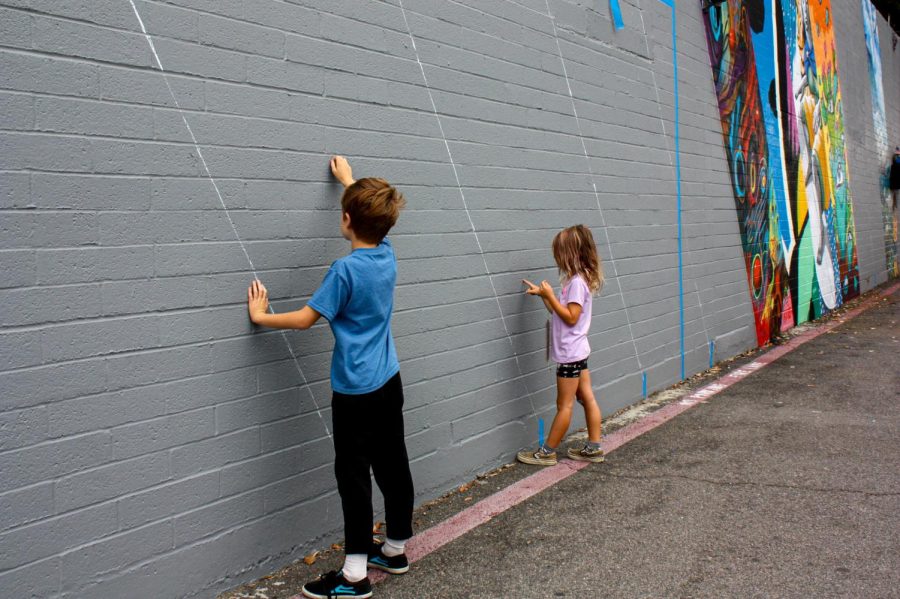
column 357, row 298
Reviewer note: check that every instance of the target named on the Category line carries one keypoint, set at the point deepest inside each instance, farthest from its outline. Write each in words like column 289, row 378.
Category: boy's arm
column 258, row 304
column 299, row 319
column 341, row 170
column 258, row 296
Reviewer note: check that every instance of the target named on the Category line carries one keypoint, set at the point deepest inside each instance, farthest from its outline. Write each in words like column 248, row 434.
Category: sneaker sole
column 317, row 596
column 536, row 462
column 581, row 458
column 387, row 569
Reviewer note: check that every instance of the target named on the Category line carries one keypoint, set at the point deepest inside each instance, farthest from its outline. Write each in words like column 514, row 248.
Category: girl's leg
column 565, row 399
column 591, row 409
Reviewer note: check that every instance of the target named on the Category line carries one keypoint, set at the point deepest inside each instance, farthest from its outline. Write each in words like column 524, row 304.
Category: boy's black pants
column 368, row 432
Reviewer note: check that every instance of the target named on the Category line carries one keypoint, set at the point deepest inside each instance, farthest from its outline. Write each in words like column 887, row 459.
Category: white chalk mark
column 587, row 159
column 462, row 196
column 224, row 207
column 702, row 317
column 662, row 122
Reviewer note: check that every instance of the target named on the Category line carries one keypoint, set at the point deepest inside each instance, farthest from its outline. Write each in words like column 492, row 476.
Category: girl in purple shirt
column 581, row 275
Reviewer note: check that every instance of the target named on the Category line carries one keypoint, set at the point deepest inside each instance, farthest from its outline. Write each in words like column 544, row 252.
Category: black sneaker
column 392, row 565
column 333, row 585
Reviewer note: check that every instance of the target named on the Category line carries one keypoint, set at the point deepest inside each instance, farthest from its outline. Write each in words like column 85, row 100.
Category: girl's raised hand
column 542, row 290
column 257, row 300
column 546, row 289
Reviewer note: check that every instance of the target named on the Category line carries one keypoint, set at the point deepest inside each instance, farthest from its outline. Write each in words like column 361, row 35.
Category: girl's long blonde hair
column 576, row 254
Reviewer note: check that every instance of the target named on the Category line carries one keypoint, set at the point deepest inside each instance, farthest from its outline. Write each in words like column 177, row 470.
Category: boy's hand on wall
column 257, row 301
column 341, row 170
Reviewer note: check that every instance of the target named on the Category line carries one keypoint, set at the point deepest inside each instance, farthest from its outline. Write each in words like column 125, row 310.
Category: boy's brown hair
column 374, row 206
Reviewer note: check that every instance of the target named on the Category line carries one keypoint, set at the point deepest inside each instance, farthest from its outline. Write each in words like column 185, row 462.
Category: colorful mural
column 775, row 69
column 882, row 147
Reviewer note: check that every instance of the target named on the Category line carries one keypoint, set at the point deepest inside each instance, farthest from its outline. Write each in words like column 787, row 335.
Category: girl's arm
column 569, row 314
column 535, row 290
column 258, row 305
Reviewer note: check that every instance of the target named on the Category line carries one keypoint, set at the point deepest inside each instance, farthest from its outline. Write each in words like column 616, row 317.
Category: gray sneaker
column 585, row 454
column 537, row 458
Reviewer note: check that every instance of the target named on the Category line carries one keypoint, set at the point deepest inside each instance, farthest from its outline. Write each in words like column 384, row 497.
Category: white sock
column 392, row 547
column 355, row 566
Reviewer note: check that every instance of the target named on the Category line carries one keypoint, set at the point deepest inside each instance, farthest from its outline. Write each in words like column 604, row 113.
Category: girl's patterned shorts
column 571, row 370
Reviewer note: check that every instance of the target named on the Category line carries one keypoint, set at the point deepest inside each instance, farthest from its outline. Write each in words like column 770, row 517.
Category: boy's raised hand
column 257, row 300
column 341, row 170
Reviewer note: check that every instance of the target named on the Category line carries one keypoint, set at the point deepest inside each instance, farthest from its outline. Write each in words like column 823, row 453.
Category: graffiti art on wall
column 775, row 69
column 882, row 147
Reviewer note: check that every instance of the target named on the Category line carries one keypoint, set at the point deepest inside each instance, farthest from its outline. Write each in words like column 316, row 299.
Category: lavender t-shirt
column 570, row 344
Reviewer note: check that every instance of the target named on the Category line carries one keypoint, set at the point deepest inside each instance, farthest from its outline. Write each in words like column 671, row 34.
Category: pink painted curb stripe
column 454, row 527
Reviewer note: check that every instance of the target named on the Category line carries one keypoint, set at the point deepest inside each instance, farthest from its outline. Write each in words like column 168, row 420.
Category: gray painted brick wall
column 152, row 443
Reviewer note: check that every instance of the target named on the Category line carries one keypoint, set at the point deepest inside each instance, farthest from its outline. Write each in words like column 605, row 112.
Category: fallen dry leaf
column 311, row 558
column 337, row 546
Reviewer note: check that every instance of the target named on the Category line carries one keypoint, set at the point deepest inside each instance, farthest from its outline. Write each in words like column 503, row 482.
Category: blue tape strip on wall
column 617, row 14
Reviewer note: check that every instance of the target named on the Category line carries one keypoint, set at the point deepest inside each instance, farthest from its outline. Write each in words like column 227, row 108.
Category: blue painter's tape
column 712, row 353
column 644, row 384
column 540, row 432
column 678, row 186
column 616, row 14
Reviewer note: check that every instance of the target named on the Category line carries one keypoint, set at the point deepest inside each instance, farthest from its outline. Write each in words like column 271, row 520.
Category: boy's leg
column 390, row 462
column 351, row 468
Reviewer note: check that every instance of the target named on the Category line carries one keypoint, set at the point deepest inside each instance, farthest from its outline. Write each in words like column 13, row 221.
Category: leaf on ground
column 311, row 558
column 337, row 546
column 376, row 530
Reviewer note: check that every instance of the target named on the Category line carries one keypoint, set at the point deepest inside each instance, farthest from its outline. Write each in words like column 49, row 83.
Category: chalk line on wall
column 462, row 196
column 587, row 160
column 224, row 207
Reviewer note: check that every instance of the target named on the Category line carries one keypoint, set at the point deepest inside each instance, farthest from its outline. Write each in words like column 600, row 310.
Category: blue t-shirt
column 357, row 298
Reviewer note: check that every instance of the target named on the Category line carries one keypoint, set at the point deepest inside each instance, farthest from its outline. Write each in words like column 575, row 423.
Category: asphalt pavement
column 786, row 484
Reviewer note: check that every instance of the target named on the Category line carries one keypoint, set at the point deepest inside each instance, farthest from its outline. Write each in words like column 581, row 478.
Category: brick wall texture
column 153, row 443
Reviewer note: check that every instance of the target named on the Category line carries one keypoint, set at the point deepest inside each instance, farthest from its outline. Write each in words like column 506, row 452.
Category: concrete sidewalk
column 784, row 485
